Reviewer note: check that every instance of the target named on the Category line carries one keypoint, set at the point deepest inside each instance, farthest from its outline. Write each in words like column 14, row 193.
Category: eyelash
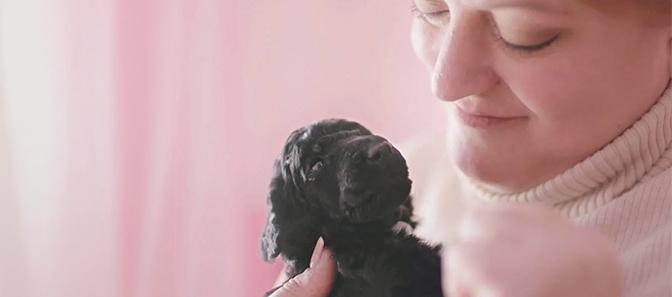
column 528, row 48
column 524, row 48
column 417, row 13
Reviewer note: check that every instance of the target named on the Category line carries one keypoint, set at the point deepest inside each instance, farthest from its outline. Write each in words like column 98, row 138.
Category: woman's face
column 536, row 86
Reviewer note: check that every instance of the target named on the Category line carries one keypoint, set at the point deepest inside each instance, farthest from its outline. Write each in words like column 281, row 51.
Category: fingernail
column 317, row 252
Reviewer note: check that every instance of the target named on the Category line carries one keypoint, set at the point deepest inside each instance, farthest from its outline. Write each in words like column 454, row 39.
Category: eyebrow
column 545, row 6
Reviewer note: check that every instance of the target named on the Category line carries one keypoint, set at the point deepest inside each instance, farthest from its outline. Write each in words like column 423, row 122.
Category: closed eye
column 435, row 17
column 529, row 48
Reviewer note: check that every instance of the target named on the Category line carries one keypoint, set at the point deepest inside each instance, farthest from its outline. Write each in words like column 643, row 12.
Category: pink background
column 137, row 137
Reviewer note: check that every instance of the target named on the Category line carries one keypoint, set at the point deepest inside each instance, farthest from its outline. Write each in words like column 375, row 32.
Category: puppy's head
column 337, row 170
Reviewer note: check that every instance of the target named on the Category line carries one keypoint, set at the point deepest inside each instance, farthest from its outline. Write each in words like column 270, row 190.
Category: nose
column 463, row 65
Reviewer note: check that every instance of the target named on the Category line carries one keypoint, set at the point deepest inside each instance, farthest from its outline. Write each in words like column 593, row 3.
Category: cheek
column 547, row 89
column 574, row 87
column 329, row 191
column 584, row 96
column 423, row 40
column 556, row 94
column 567, row 109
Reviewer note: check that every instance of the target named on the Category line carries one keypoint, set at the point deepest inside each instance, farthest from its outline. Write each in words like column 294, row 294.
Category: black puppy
column 336, row 180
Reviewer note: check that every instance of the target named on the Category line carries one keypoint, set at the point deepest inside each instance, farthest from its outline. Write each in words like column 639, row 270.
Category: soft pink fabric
column 137, row 137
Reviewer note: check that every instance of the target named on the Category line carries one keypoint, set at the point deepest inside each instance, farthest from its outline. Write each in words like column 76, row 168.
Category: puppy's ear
column 290, row 228
column 278, row 198
column 269, row 240
column 285, row 217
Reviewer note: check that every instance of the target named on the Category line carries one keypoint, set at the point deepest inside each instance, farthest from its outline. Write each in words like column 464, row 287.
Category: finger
column 483, row 223
column 282, row 277
column 316, row 281
column 456, row 277
column 466, row 273
column 451, row 284
column 503, row 220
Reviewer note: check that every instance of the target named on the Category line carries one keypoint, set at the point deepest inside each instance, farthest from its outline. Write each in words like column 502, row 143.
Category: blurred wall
column 137, row 137
column 308, row 60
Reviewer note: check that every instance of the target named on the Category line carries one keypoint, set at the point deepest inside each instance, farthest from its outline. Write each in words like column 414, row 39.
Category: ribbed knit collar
column 639, row 153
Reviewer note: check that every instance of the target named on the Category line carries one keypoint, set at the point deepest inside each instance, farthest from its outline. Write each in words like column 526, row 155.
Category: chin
column 490, row 170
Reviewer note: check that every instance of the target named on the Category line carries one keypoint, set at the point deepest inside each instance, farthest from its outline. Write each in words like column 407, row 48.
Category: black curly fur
column 336, row 180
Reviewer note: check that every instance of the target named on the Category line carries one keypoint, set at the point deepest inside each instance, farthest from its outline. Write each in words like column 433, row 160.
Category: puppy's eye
column 316, row 165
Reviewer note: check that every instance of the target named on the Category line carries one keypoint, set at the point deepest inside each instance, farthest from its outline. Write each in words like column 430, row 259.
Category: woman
column 563, row 107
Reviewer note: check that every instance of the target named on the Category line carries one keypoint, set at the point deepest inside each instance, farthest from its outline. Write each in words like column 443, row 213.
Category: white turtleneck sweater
column 624, row 190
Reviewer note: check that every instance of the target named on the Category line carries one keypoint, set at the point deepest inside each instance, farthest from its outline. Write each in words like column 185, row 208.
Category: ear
column 269, row 240
column 291, row 230
column 288, row 221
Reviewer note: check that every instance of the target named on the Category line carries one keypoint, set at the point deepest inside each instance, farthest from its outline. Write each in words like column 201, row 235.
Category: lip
column 478, row 120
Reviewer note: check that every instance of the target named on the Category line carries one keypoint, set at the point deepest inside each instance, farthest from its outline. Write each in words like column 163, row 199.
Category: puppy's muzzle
column 369, row 160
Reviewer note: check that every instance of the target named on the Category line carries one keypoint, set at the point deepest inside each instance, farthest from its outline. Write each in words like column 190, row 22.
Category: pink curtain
column 137, row 137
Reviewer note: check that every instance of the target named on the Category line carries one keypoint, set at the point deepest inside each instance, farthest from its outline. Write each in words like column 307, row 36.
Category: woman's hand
column 509, row 250
column 315, row 281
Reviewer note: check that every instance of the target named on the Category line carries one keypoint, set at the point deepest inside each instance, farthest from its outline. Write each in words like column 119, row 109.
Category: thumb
column 315, row 281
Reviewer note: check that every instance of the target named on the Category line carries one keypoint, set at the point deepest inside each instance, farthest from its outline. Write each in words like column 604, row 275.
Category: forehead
column 311, row 135
column 542, row 5
column 566, row 6
column 506, row 3
column 308, row 139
